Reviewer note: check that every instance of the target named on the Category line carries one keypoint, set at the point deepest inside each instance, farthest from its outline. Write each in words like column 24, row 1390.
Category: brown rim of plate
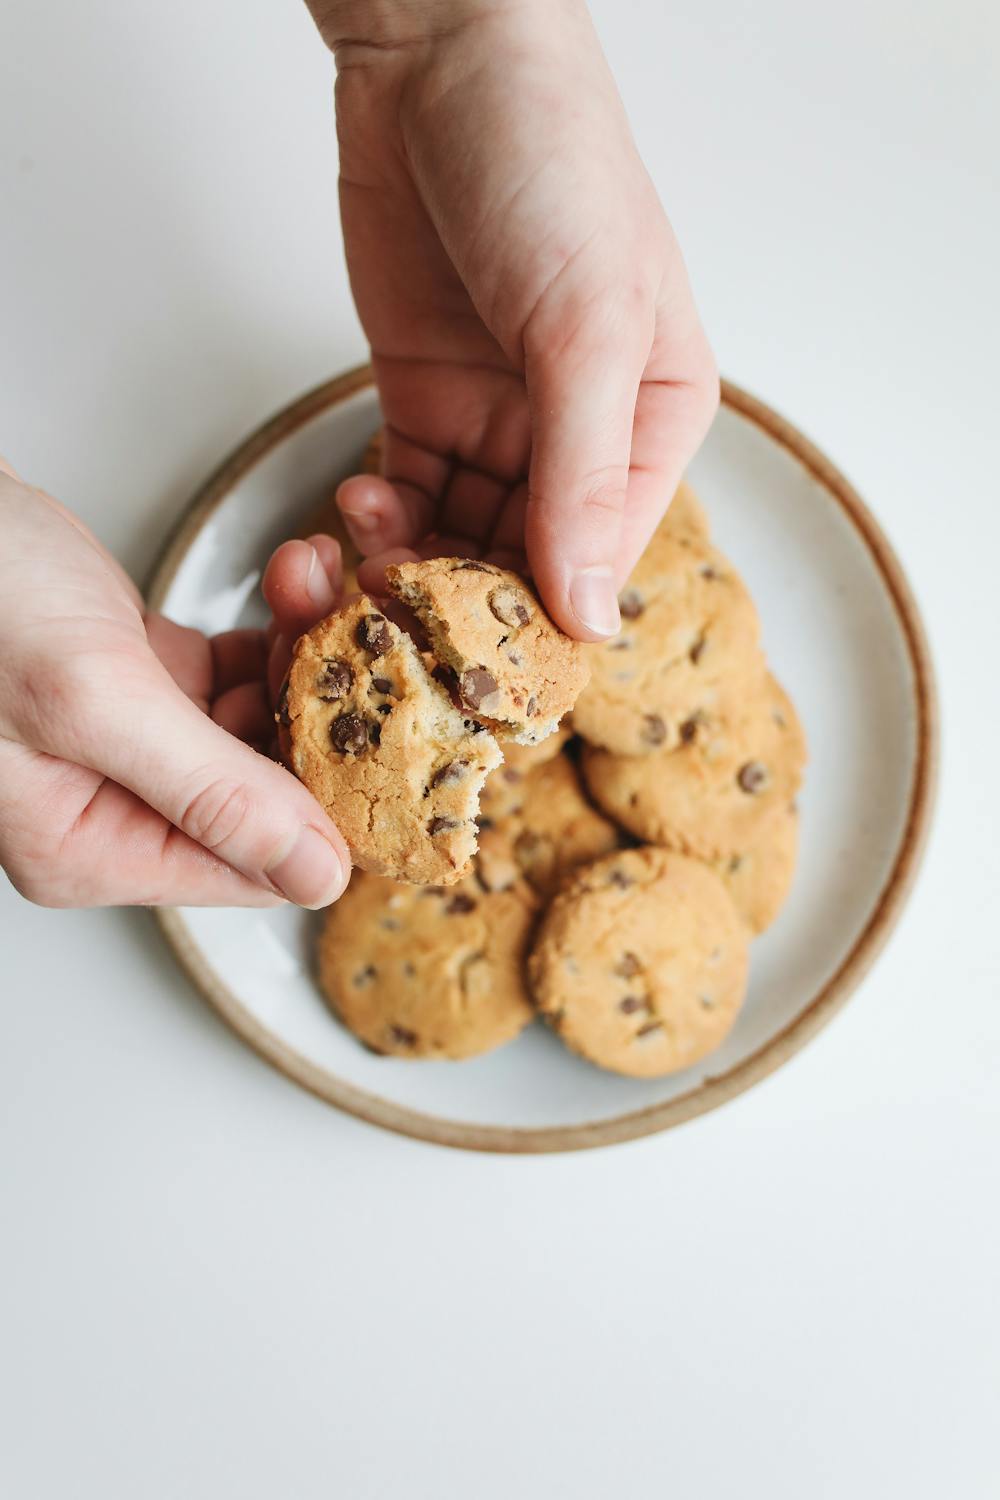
column 713, row 1091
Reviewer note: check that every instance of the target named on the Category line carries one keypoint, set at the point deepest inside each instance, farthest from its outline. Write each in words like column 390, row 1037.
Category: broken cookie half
column 514, row 669
column 382, row 747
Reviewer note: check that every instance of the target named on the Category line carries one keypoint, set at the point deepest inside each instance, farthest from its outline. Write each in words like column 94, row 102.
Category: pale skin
column 544, row 379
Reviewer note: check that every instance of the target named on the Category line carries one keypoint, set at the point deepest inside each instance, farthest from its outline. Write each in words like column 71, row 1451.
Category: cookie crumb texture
column 379, row 743
column 513, row 668
column 431, row 972
column 640, row 964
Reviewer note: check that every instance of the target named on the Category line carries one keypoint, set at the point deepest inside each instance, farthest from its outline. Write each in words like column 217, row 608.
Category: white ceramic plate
column 842, row 633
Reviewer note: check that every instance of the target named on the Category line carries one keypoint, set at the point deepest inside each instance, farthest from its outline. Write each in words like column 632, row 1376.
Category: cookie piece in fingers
column 714, row 794
column 689, row 638
column 429, row 972
column 549, row 822
column 379, row 743
column 640, row 963
column 514, row 669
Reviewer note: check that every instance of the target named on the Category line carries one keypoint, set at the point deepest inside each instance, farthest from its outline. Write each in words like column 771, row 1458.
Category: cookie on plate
column 514, row 669
column 640, row 963
column 760, row 877
column 715, row 793
column 431, row 971
column 689, row 634
column 379, row 743
column 685, row 515
column 548, row 821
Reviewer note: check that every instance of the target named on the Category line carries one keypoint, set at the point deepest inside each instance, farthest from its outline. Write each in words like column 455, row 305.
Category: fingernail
column 364, row 521
column 594, row 601
column 311, row 873
column 318, row 584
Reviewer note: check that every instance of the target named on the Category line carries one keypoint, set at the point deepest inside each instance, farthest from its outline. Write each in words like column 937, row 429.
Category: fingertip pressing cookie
column 379, row 743
column 548, row 821
column 713, row 795
column 689, row 638
column 640, row 963
column 432, row 971
column 514, row 669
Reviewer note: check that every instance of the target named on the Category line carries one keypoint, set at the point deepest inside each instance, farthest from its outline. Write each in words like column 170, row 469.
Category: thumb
column 582, row 399
column 140, row 730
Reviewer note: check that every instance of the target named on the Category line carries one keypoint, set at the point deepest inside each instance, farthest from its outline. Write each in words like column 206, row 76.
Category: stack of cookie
column 624, row 861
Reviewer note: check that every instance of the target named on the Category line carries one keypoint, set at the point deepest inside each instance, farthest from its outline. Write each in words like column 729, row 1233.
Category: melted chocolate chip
column 373, row 634
column 509, row 606
column 689, row 729
column 619, row 878
column 631, row 604
column 381, row 684
column 375, row 732
column 442, row 825
column 349, row 734
column 476, row 685
column 334, row 681
column 752, row 777
column 282, row 715
column 365, row 975
column 654, row 731
column 460, row 903
column 454, row 770
column 384, row 708
column 403, row 1036
column 631, row 1004
column 696, row 651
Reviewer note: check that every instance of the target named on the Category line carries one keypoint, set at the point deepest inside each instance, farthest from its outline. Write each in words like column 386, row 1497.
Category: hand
column 543, row 374
column 122, row 780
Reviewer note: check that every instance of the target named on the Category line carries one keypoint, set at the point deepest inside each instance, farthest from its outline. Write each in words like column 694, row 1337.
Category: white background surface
column 210, row 1283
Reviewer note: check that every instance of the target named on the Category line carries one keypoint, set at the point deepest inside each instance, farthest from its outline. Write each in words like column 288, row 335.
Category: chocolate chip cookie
column 513, row 668
column 547, row 820
column 689, row 635
column 429, row 972
column 713, row 795
column 379, row 743
column 760, row 877
column 640, row 963
column 685, row 515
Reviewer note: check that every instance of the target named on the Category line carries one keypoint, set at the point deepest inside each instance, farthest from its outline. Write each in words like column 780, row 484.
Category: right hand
column 127, row 773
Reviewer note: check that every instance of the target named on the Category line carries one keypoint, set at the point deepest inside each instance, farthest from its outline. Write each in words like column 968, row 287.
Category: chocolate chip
column 473, row 727
column 628, row 965
column 752, row 777
column 365, row 975
column 632, row 1003
column 696, row 651
column 373, row 634
column 509, row 606
column 283, row 715
column 531, row 709
column 381, row 684
column 349, row 734
column 402, row 1036
column 619, row 878
column 375, row 732
column 707, row 571
column 624, row 644
column 631, row 604
column 689, row 729
column 476, row 685
column 484, row 822
column 453, row 770
column 334, row 681
column 649, row 1027
column 460, row 903
column 735, row 863
column 654, row 731
column 383, row 708
column 442, row 825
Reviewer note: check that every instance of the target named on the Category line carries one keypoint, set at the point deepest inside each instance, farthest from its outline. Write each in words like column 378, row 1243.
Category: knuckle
column 217, row 812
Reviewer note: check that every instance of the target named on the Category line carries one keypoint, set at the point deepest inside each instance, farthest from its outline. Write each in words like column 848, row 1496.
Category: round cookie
column 760, row 878
column 380, row 745
column 713, row 795
column 513, row 668
column 428, row 972
column 689, row 634
column 640, row 963
column 546, row 818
